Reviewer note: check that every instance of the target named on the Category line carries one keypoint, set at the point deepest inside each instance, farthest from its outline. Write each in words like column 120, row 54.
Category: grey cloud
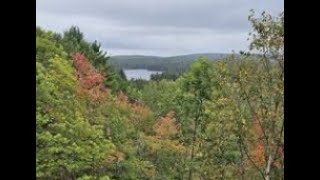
column 154, row 26
column 191, row 13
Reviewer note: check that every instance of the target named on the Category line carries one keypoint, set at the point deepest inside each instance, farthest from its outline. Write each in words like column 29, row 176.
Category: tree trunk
column 267, row 176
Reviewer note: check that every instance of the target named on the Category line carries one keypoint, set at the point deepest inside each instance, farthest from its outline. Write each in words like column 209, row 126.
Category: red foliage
column 139, row 109
column 82, row 64
column 91, row 81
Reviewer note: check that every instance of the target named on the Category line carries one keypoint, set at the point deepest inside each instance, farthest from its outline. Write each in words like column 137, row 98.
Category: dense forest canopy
column 219, row 119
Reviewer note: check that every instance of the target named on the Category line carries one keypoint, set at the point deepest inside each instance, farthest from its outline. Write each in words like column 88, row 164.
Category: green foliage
column 159, row 77
column 67, row 144
column 198, row 80
column 159, row 96
column 116, row 80
column 73, row 41
column 217, row 120
column 47, row 47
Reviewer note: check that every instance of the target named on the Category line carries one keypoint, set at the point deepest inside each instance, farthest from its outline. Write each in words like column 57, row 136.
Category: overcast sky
column 157, row 27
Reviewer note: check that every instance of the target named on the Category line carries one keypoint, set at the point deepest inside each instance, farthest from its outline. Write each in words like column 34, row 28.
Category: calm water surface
column 144, row 74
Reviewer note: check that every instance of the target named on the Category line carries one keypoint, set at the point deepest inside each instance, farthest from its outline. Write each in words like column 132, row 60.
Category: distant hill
column 213, row 56
column 172, row 65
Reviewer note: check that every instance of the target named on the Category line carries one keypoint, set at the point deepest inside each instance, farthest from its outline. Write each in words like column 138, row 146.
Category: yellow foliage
column 154, row 144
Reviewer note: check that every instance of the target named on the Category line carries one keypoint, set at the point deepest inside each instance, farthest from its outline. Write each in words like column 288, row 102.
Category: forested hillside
column 219, row 119
column 170, row 65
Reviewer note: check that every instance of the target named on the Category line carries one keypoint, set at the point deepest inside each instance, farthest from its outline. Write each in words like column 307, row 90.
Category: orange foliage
column 122, row 97
column 258, row 153
column 122, row 101
column 166, row 126
column 141, row 110
column 140, row 115
column 119, row 156
column 115, row 156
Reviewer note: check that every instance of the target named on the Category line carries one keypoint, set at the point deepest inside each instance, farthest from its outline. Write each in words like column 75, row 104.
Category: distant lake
column 144, row 74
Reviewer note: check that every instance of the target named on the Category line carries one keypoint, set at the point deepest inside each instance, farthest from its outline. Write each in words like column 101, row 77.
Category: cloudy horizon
column 160, row 28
